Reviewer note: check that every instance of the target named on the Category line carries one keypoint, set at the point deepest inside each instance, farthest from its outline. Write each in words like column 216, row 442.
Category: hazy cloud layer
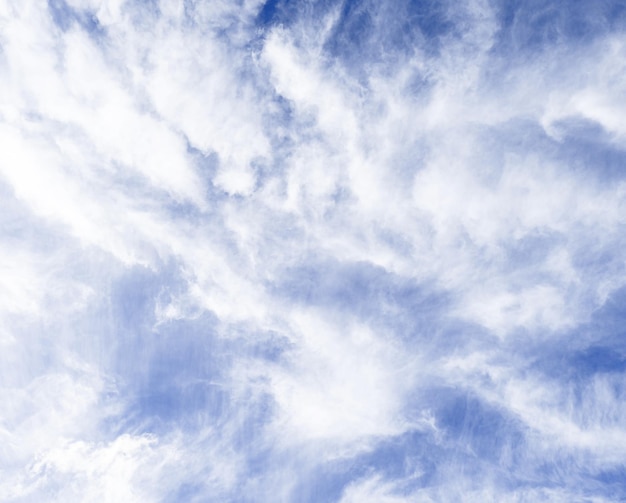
column 313, row 251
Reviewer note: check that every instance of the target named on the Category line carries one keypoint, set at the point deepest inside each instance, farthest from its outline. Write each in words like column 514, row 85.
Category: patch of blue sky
column 144, row 13
column 532, row 248
column 474, row 427
column 183, row 378
column 599, row 345
column 177, row 373
column 565, row 472
column 176, row 389
column 367, row 292
column 381, row 32
column 535, row 26
column 287, row 12
column 579, row 147
column 62, row 14
column 594, row 359
column 367, row 36
column 611, row 483
column 270, row 12
column 191, row 492
column 251, row 414
column 412, row 455
column 608, row 320
column 166, row 370
column 65, row 17
column 590, row 150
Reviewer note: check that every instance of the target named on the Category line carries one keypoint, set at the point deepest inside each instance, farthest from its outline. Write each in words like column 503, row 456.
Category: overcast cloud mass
column 312, row 251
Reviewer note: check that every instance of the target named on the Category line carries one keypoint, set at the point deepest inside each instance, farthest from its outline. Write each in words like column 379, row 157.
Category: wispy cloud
column 316, row 251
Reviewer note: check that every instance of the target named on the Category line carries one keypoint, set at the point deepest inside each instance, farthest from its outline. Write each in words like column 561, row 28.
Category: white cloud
column 224, row 156
column 343, row 383
column 134, row 468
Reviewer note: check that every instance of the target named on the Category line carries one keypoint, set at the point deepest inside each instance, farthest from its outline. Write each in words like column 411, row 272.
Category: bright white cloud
column 325, row 394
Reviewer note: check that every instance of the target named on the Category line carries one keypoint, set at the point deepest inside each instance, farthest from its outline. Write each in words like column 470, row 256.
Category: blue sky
column 312, row 251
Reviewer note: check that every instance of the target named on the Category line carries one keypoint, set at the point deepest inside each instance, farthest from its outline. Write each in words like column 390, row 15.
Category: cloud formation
column 312, row 251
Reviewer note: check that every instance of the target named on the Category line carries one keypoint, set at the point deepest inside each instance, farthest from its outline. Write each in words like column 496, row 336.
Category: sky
column 312, row 251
